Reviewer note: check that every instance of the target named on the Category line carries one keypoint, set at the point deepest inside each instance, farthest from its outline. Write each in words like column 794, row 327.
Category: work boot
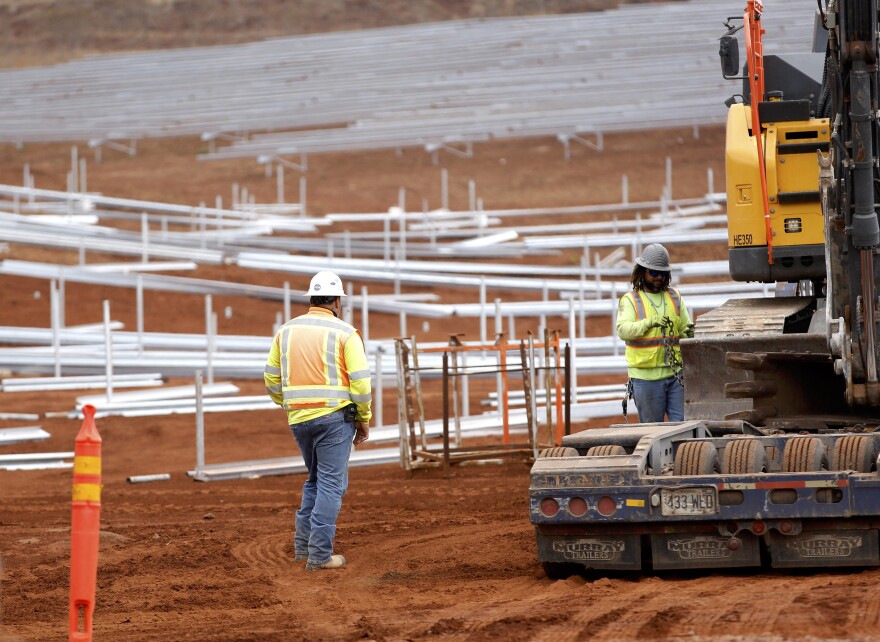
column 335, row 561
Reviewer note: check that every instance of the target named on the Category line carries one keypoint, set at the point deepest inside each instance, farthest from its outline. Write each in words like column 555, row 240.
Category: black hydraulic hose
column 823, row 104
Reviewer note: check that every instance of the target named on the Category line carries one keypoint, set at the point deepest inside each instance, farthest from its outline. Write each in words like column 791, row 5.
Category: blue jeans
column 654, row 399
column 325, row 444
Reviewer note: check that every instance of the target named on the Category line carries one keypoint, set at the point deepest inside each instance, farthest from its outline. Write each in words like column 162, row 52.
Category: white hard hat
column 654, row 257
column 326, row 283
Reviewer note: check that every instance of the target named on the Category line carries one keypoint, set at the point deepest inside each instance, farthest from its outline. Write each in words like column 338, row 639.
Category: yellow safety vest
column 318, row 362
column 647, row 351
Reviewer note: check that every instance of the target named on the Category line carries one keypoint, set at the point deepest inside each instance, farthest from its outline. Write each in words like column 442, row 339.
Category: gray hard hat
column 654, row 257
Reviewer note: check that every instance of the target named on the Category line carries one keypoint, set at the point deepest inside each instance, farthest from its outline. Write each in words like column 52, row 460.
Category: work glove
column 362, row 432
column 659, row 322
column 689, row 331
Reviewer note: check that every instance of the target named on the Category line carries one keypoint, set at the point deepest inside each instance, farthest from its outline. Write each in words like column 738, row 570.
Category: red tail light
column 577, row 506
column 549, row 506
column 606, row 506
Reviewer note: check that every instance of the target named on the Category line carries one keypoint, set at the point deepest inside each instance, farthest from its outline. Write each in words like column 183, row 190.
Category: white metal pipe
column 143, row 479
column 27, row 386
column 401, row 256
column 348, row 307
column 365, row 313
column 212, row 340
column 56, row 330
column 139, row 305
column 483, row 336
column 380, row 388
column 158, row 395
column 572, row 342
column 74, row 169
column 108, row 351
column 10, row 436
column 62, row 305
column 534, row 403
column 145, row 238
column 279, row 170
column 200, row 422
column 614, row 321
column 499, row 382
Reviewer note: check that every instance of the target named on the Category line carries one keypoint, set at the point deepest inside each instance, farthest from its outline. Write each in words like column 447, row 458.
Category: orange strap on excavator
column 755, row 54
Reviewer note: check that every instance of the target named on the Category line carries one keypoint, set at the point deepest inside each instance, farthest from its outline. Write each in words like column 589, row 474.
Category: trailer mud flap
column 622, row 552
column 856, row 547
column 700, row 550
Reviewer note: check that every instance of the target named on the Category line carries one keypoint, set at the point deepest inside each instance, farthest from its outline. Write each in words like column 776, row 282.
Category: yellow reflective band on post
column 86, row 465
column 636, row 502
column 87, row 493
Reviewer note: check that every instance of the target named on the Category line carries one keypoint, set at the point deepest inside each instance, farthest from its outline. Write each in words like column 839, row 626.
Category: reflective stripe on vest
column 648, row 351
column 651, row 342
column 676, row 300
column 639, row 305
column 318, row 376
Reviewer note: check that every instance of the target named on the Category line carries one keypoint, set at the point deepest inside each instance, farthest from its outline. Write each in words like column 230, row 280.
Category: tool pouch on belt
column 349, row 412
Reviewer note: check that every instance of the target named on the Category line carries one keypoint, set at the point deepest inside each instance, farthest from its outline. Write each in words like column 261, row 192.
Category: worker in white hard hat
column 650, row 320
column 318, row 372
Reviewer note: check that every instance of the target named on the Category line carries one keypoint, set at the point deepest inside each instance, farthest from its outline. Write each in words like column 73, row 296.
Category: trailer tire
column 560, row 570
column 559, row 451
column 743, row 456
column 853, row 452
column 804, row 455
column 696, row 458
column 606, row 449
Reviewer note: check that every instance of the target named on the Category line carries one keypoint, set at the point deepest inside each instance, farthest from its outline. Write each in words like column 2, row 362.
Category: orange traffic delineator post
column 85, row 527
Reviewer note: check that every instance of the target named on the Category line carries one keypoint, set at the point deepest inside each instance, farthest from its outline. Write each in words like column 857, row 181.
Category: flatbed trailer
column 706, row 494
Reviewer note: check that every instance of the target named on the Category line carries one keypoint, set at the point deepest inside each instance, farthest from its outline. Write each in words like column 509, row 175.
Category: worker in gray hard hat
column 650, row 320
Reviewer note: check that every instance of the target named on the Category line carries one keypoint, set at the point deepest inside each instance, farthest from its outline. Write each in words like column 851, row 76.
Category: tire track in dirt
column 763, row 615
column 494, row 614
column 562, row 611
column 828, row 607
column 604, row 608
column 266, row 553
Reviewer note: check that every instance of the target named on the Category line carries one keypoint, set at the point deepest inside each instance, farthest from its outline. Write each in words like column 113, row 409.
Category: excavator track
column 755, row 317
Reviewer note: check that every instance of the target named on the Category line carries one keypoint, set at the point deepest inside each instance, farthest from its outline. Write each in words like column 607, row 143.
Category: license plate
column 688, row 501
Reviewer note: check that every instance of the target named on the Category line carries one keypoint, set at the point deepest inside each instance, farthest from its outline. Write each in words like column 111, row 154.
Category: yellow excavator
column 777, row 460
column 802, row 150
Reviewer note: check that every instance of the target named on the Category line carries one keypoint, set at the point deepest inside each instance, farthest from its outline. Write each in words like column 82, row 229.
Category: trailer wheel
column 744, row 456
column 559, row 451
column 696, row 458
column 560, row 570
column 606, row 449
column 853, row 452
column 803, row 455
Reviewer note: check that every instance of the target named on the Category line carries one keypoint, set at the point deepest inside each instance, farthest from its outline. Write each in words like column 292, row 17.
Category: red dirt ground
column 429, row 558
